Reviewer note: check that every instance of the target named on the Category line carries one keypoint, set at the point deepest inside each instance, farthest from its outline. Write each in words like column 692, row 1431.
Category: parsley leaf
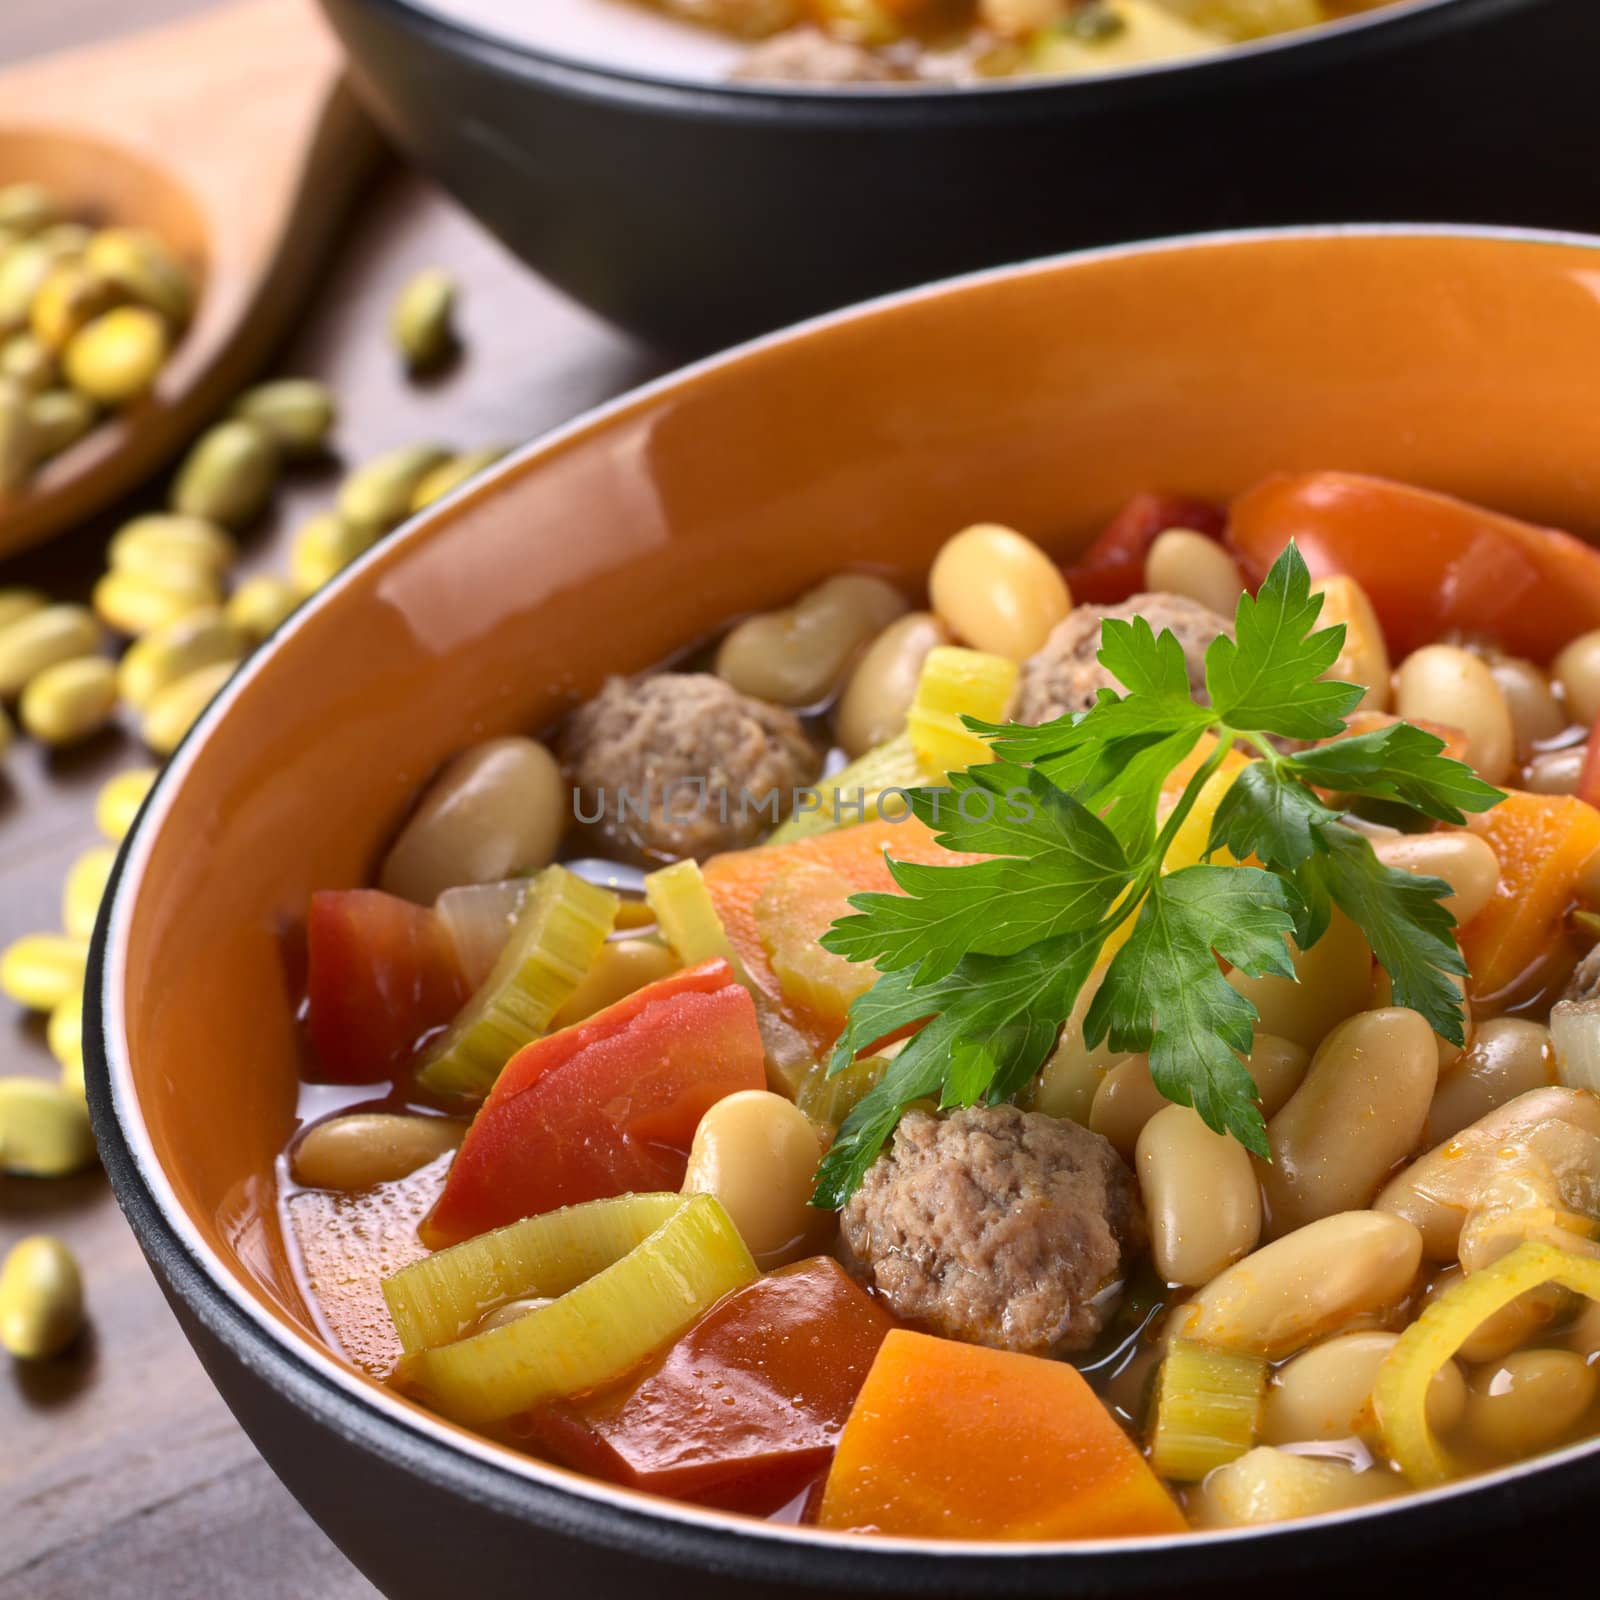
column 985, row 960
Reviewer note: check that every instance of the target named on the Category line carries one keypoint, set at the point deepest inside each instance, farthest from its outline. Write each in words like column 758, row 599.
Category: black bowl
column 696, row 213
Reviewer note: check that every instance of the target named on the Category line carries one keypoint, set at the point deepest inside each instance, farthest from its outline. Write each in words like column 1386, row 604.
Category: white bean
column 1125, row 1101
column 1334, row 982
column 368, row 1147
column 1441, row 683
column 873, row 707
column 1326, row 1393
column 1557, row 771
column 1361, row 1109
column 1507, row 1056
column 998, row 591
column 1535, row 716
column 758, row 1154
column 1577, row 672
column 1181, row 561
column 1465, row 861
column 1271, row 1485
column 1308, row 1283
column 1364, row 656
column 1529, row 1401
column 1200, row 1196
column 497, row 809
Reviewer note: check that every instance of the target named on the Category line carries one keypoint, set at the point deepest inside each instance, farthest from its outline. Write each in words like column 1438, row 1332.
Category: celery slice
column 885, row 767
column 1208, row 1409
column 687, row 917
column 624, row 1290
column 829, row 1100
column 956, row 682
column 558, row 933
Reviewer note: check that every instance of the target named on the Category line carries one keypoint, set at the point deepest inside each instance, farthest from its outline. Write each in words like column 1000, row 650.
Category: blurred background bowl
column 696, row 212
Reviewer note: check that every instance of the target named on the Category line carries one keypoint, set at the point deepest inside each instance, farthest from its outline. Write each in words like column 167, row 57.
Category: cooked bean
column 145, row 268
column 1466, row 862
column 623, row 966
column 497, row 809
column 26, row 207
column 377, row 495
column 115, row 358
column 29, row 363
column 40, row 970
column 1361, row 1109
column 64, row 1035
column 41, row 1298
column 1364, row 656
column 997, row 591
column 368, row 1147
column 58, row 418
column 323, row 547
column 1584, row 1334
column 174, row 710
column 419, row 321
column 136, row 603
column 40, row 639
column 1507, row 1056
column 1535, row 716
column 44, row 1129
column 1124, row 1101
column 794, row 657
column 1557, row 771
column 1305, row 1284
column 260, row 604
column 297, row 412
column 18, row 451
column 1271, row 1485
column 511, row 1311
column 119, row 800
column 1513, row 1326
column 1183, row 562
column 875, row 701
column 1279, row 1068
column 160, row 541
column 1200, row 1196
column 1576, row 671
column 85, row 888
column 1326, row 1393
column 169, row 653
column 229, row 474
column 1070, row 1078
column 72, row 295
column 1436, row 1191
column 758, row 1154
column 449, row 475
column 16, row 604
column 1441, row 683
column 1529, row 1401
column 70, row 701
column 1335, row 982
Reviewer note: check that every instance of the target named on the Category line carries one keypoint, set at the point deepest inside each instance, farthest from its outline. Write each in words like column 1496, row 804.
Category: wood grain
column 122, row 1475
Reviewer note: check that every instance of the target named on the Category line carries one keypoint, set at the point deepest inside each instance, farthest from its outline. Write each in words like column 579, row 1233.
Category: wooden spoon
column 234, row 137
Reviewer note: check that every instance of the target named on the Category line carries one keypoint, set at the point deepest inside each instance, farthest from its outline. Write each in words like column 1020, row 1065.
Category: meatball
column 680, row 764
column 1063, row 676
column 807, row 55
column 997, row 1226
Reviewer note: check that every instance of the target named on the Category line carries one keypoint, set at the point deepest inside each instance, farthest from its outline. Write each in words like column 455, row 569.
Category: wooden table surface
column 122, row 1474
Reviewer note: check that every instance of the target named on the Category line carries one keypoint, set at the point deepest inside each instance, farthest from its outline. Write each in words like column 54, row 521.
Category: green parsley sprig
column 990, row 957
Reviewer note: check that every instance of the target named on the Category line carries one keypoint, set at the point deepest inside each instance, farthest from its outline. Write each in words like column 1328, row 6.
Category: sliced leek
column 688, row 918
column 558, row 933
column 1208, row 1409
column 1400, row 1397
column 957, row 683
column 854, row 793
column 643, row 1289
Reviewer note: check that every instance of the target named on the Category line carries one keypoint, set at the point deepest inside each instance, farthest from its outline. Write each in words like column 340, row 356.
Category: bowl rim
column 335, row 1395
column 1342, row 39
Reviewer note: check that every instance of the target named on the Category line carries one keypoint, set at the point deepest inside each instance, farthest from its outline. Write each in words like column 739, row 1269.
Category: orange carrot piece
column 1543, row 842
column 953, row 1441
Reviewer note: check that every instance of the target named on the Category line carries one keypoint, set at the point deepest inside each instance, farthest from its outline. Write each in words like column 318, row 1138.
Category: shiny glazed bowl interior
column 1039, row 396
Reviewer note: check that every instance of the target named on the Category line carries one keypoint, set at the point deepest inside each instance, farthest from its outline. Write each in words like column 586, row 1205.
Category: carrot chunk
column 1543, row 842
column 953, row 1441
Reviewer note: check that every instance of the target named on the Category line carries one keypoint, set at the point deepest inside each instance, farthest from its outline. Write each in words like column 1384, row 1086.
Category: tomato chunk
column 1112, row 568
column 743, row 1411
column 1430, row 564
column 382, row 976
column 604, row 1107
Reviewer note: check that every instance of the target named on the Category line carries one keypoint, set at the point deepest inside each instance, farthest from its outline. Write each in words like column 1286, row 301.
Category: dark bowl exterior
column 696, row 215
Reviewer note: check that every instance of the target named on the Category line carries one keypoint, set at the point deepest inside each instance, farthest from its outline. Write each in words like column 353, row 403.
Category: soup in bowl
column 582, row 1091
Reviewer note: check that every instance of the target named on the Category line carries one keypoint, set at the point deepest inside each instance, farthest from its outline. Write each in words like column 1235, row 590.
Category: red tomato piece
column 1430, row 564
column 382, row 975
column 608, row 1106
column 1112, row 568
column 743, row 1411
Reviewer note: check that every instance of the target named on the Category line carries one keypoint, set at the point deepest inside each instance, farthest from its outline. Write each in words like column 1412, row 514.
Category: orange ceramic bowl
column 1039, row 396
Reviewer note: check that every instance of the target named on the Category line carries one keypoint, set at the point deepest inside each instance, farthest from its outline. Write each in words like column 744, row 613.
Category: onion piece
column 1575, row 1032
column 479, row 918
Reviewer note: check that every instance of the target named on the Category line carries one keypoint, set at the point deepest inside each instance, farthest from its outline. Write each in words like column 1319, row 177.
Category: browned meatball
column 998, row 1227
column 680, row 764
column 1062, row 676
